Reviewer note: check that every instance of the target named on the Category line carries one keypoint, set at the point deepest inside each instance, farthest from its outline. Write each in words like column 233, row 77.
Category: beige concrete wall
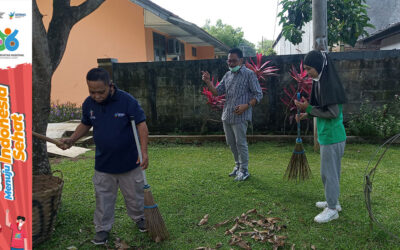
column 114, row 30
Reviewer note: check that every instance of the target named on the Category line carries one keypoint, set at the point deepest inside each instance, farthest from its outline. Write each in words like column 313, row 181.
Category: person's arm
column 331, row 112
column 8, row 223
column 26, row 244
column 216, row 91
column 256, row 91
column 143, row 132
column 80, row 131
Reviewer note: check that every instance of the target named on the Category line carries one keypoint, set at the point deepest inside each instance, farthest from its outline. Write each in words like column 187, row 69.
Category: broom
column 298, row 168
column 154, row 221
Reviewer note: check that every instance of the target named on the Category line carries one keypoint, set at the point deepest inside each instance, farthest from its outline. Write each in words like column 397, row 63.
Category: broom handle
column 135, row 134
column 298, row 113
column 45, row 138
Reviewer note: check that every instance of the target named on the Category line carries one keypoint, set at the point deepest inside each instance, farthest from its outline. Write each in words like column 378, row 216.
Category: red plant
column 261, row 70
column 304, row 85
column 215, row 102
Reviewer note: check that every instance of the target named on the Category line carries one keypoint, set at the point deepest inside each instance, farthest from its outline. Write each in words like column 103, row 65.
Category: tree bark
column 47, row 52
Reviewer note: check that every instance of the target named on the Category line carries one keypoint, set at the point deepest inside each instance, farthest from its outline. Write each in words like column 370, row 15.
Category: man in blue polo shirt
column 108, row 111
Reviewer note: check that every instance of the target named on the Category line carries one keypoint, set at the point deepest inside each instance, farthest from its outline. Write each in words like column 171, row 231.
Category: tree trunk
column 41, row 87
column 47, row 51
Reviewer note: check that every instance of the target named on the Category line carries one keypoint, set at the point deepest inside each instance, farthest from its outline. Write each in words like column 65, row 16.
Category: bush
column 382, row 121
column 64, row 112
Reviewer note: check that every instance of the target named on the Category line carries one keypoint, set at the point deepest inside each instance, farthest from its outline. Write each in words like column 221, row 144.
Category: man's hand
column 300, row 117
column 205, row 76
column 66, row 143
column 239, row 109
column 145, row 163
column 303, row 104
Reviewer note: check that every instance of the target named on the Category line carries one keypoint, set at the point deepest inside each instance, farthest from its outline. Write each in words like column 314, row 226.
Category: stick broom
column 154, row 221
column 298, row 168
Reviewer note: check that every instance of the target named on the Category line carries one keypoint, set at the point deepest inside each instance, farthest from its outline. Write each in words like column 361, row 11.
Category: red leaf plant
column 215, row 102
column 304, row 85
column 261, row 70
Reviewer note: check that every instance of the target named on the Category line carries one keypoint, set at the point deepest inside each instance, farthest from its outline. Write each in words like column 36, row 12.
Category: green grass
column 189, row 181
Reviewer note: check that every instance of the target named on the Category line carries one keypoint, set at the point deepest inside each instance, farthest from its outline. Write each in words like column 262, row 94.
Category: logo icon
column 8, row 40
column 11, row 15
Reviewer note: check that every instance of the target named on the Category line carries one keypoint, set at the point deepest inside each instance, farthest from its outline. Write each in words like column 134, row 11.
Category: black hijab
column 331, row 88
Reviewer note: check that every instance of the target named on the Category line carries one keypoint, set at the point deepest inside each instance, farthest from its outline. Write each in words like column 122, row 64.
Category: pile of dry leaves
column 249, row 225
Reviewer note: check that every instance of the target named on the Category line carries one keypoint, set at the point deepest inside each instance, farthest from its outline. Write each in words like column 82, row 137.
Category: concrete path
column 56, row 131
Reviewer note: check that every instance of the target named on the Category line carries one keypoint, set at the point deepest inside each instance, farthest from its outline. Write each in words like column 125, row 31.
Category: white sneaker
column 327, row 215
column 324, row 204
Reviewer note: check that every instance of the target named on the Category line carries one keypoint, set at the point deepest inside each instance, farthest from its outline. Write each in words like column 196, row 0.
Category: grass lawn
column 189, row 181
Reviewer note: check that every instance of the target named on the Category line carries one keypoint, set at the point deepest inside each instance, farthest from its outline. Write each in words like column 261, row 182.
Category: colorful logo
column 8, row 40
column 18, row 236
column 11, row 15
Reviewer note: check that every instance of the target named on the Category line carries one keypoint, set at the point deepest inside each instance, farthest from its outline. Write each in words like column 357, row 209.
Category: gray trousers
column 331, row 157
column 106, row 189
column 235, row 135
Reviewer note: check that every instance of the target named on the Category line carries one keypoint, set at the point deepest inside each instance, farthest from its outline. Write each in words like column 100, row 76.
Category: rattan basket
column 46, row 199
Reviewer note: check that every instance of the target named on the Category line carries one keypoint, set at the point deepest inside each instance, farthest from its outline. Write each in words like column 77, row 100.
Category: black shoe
column 101, row 238
column 141, row 224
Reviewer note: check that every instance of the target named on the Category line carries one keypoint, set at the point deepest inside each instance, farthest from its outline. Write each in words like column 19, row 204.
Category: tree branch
column 63, row 19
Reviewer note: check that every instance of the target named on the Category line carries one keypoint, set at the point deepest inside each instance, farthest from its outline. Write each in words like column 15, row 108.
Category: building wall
column 114, row 30
column 170, row 92
column 284, row 47
column 205, row 52
column 392, row 42
column 149, row 44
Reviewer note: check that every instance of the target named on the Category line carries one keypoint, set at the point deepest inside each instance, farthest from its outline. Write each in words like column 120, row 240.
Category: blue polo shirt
column 112, row 131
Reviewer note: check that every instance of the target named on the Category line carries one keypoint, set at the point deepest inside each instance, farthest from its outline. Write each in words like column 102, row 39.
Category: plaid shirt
column 239, row 88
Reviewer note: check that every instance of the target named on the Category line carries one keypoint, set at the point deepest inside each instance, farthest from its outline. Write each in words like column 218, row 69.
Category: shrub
column 64, row 112
column 382, row 121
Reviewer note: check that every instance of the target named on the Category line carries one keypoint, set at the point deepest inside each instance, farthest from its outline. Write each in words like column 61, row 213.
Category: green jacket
column 330, row 126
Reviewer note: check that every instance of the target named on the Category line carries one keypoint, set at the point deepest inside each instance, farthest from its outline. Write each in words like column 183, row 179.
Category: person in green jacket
column 327, row 97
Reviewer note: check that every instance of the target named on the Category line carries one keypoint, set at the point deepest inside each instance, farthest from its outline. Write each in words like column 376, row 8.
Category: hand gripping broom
column 154, row 221
column 298, row 168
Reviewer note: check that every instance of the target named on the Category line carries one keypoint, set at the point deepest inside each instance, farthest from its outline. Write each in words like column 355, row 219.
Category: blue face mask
column 234, row 69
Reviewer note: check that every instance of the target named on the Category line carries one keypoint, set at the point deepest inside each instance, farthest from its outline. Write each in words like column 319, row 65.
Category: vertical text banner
column 16, row 123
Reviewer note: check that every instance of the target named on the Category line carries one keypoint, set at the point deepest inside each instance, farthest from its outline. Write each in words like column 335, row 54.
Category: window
column 159, row 44
column 194, row 51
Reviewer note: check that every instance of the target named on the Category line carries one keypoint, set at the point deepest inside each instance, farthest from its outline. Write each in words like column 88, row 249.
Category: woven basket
column 46, row 199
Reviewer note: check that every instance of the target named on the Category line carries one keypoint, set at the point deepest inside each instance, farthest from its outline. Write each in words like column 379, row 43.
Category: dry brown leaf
column 204, row 220
column 256, row 237
column 243, row 244
column 243, row 216
column 246, row 233
column 261, row 223
column 273, row 219
column 72, row 248
column 221, row 224
column 252, row 211
column 234, row 228
column 219, row 245
column 157, row 239
column 292, row 248
column 234, row 239
column 248, row 223
column 203, row 248
column 121, row 244
column 313, row 247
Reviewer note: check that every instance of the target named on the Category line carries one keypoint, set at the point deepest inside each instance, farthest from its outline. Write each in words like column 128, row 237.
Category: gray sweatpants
column 106, row 189
column 331, row 157
column 235, row 135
